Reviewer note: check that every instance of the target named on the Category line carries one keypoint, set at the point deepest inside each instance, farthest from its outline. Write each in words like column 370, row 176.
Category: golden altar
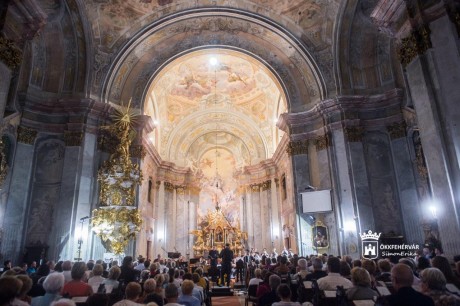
column 216, row 231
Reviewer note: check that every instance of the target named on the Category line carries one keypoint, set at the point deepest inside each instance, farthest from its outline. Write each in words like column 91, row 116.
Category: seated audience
column 26, row 286
column 97, row 278
column 9, row 287
column 186, row 296
column 66, row 270
column 53, row 284
column 272, row 296
column 63, row 302
column 361, row 289
column 257, row 278
column 345, row 269
column 434, row 285
column 302, row 266
column 402, row 278
column 132, row 292
column 76, row 287
column 284, row 293
column 318, row 271
column 333, row 279
column 128, row 274
column 371, row 267
column 264, row 286
column 443, row 264
column 172, row 295
column 149, row 293
column 384, row 274
column 112, row 279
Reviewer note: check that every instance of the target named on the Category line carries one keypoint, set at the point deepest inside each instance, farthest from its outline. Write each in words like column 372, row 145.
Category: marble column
column 256, row 218
column 16, row 206
column 160, row 232
column 264, row 216
column 344, row 194
column 249, row 217
column 275, row 218
column 173, row 233
column 407, row 186
column 434, row 147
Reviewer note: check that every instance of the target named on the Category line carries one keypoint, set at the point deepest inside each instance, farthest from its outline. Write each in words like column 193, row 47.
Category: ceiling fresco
column 215, row 92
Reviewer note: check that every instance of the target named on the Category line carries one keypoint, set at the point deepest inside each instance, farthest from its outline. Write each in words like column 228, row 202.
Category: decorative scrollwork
column 73, row 139
column 137, row 151
column 9, row 54
column 397, row 130
column 354, row 133
column 266, row 185
column 415, row 44
column 322, row 142
column 26, row 135
column 297, row 147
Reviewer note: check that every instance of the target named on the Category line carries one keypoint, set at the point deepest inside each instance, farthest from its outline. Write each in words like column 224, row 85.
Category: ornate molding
column 73, row 139
column 297, row 147
column 157, row 185
column 26, row 135
column 180, row 189
column 397, row 130
column 9, row 54
column 417, row 43
column 322, row 142
column 354, row 133
column 266, row 185
column 3, row 159
column 254, row 187
column 169, row 186
column 420, row 161
column 107, row 142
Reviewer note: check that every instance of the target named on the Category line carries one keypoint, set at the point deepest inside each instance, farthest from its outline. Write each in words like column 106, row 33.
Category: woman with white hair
column 53, row 284
column 302, row 267
column 434, row 285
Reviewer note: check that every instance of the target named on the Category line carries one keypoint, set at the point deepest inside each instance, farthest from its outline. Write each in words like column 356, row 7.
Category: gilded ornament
column 266, row 185
column 297, row 147
column 138, row 151
column 169, row 186
column 417, row 43
column 3, row 161
column 73, row 139
column 354, row 133
column 255, row 187
column 322, row 142
column 9, row 54
column 397, row 130
column 117, row 220
column 26, row 135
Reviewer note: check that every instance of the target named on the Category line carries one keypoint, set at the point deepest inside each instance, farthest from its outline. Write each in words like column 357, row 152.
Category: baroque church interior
column 263, row 124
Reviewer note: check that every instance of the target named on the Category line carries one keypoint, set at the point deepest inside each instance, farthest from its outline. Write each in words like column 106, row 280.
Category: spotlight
column 213, row 61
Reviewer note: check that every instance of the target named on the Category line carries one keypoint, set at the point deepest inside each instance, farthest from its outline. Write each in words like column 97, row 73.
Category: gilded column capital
column 322, row 142
column 266, row 185
column 354, row 133
column 297, row 147
column 157, row 184
column 169, row 186
column 255, row 187
column 180, row 189
column 73, row 139
column 417, row 43
column 9, row 54
column 26, row 135
column 397, row 130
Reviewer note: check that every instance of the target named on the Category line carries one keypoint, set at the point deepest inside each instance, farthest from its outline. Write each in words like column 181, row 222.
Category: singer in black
column 227, row 258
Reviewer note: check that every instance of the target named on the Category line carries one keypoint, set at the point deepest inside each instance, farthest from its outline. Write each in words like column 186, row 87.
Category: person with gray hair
column 302, row 266
column 257, row 277
column 434, row 285
column 53, row 284
column 267, row 299
column 66, row 271
column 149, row 293
column 318, row 271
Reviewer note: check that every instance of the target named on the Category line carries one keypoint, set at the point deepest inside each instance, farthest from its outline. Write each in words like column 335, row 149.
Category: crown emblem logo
column 370, row 235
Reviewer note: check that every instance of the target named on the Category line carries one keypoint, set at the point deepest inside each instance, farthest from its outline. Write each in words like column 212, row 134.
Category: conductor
column 227, row 257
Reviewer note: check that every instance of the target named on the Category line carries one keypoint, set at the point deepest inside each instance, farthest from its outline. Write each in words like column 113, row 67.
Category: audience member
column 434, row 285
column 76, row 287
column 149, row 293
column 362, row 285
column 97, row 279
column 66, row 271
column 53, row 284
column 333, row 279
column 318, row 271
column 112, row 280
column 384, row 274
column 257, row 278
column 187, row 297
column 272, row 296
column 172, row 294
column 402, row 278
column 132, row 292
column 443, row 264
column 284, row 293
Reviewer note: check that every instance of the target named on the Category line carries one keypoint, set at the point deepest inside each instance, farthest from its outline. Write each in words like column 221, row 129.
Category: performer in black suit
column 213, row 270
column 227, row 258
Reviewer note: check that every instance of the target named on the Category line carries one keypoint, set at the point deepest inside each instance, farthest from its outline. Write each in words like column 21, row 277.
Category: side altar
column 217, row 231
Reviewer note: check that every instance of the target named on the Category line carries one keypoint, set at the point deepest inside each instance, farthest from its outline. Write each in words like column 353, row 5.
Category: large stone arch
column 366, row 60
column 160, row 42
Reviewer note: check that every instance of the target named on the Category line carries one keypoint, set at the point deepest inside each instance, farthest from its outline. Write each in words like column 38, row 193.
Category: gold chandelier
column 117, row 220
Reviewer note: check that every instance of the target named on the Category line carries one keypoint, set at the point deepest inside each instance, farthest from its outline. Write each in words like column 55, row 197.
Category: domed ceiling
column 216, row 100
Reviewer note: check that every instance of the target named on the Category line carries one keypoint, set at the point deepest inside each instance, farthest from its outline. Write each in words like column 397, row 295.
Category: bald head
column 402, row 276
